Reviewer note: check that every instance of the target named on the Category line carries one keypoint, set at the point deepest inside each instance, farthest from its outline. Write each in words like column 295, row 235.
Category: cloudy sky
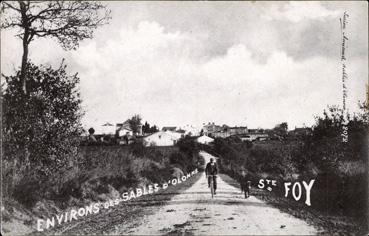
column 235, row 63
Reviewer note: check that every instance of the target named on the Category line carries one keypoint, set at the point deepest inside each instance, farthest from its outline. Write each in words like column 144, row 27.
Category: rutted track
column 194, row 212
column 188, row 209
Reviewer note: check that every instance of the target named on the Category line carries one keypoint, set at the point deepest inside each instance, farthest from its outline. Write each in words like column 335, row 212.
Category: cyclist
column 211, row 171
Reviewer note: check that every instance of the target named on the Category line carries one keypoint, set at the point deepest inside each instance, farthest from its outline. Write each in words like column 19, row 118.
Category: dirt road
column 194, row 212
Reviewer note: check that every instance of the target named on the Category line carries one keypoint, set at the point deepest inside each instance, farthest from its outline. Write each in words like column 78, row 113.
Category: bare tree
column 67, row 21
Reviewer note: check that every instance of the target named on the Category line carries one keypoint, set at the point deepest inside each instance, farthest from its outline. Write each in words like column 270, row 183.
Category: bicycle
column 212, row 187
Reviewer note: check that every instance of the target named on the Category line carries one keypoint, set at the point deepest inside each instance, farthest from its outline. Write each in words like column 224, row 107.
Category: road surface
column 229, row 213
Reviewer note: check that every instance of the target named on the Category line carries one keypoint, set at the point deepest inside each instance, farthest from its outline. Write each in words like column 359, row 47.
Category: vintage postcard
column 184, row 117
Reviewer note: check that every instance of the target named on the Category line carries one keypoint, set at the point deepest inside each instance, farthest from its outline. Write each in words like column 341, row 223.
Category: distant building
column 108, row 129
column 124, row 128
column 237, row 130
column 223, row 131
column 181, row 131
column 162, row 138
column 169, row 128
column 211, row 128
column 190, row 130
column 220, row 134
column 254, row 136
column 204, row 139
column 300, row 131
column 256, row 131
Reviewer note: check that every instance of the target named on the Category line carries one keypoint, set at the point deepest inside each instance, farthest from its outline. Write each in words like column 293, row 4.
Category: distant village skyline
column 254, row 64
column 112, row 128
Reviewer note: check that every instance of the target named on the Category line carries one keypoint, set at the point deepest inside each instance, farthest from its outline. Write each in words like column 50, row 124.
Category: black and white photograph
column 184, row 118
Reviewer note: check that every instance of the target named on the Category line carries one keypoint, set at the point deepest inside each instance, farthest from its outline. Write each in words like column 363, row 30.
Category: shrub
column 137, row 148
column 28, row 191
column 156, row 174
column 44, row 123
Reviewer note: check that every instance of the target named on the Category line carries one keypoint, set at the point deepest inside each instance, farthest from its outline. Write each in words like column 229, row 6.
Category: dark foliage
column 45, row 123
column 340, row 168
column 134, row 123
column 147, row 129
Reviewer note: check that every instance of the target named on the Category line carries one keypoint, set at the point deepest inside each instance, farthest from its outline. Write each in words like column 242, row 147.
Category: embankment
column 96, row 174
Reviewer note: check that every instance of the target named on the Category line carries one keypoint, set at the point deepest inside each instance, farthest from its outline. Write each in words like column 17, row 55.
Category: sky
column 252, row 64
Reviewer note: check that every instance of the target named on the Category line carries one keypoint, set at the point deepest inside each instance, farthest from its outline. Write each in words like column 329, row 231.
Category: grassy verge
column 128, row 213
column 327, row 224
column 97, row 174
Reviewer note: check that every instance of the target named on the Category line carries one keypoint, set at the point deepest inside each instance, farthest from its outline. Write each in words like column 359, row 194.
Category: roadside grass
column 97, row 173
column 327, row 224
column 110, row 221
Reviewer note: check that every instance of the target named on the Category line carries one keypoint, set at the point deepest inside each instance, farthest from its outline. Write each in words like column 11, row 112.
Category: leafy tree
column 280, row 130
column 66, row 21
column 325, row 148
column 146, row 128
column 135, row 123
column 91, row 136
column 46, row 122
column 154, row 129
column 91, row 131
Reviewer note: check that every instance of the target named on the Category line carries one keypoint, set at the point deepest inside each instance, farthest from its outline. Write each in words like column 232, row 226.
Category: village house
column 124, row 129
column 162, row 138
column 190, row 130
column 211, row 128
column 225, row 131
column 237, row 130
column 204, row 139
column 254, row 134
column 169, row 128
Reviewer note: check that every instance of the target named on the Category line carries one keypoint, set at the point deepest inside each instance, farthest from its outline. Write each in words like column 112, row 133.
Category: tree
column 280, row 130
column 135, row 123
column 146, row 128
column 154, row 129
column 91, row 136
column 91, row 131
column 46, row 122
column 67, row 21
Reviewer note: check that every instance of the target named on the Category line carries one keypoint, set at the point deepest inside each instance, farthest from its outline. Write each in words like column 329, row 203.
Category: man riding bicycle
column 211, row 171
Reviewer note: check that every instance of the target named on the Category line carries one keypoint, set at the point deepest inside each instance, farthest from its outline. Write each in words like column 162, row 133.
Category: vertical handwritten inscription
column 344, row 23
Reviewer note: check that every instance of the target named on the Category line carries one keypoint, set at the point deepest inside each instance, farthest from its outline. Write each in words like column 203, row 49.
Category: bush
column 28, row 192
column 44, row 123
column 339, row 168
column 156, row 174
column 137, row 148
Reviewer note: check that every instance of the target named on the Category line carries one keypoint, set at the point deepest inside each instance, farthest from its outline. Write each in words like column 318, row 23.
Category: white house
column 124, row 129
column 175, row 134
column 161, row 138
column 204, row 139
column 191, row 130
column 253, row 137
